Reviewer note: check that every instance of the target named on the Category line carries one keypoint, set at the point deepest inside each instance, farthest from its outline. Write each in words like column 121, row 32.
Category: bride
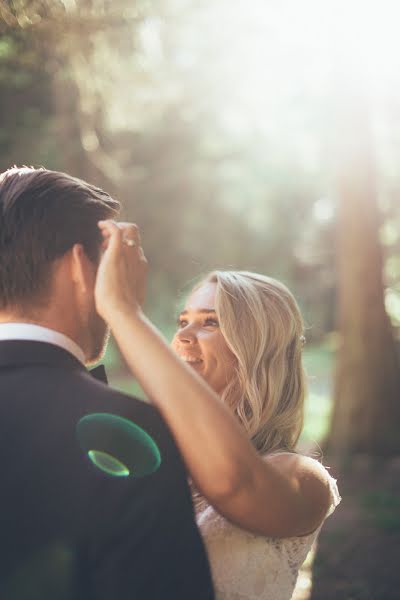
column 232, row 393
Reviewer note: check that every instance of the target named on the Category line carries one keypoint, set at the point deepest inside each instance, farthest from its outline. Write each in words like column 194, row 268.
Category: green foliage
column 24, row 100
column 203, row 198
column 318, row 362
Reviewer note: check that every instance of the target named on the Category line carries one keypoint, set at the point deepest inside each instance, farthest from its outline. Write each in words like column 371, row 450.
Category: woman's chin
column 199, row 367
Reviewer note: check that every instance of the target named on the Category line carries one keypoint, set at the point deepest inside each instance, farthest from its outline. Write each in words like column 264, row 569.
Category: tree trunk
column 366, row 416
column 66, row 127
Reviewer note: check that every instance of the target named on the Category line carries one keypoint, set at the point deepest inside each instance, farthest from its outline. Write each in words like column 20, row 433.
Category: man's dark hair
column 42, row 215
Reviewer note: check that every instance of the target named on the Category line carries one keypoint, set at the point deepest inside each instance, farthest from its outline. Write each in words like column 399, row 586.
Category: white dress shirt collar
column 37, row 333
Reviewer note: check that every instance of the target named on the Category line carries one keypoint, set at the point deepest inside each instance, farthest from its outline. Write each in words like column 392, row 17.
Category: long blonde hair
column 262, row 326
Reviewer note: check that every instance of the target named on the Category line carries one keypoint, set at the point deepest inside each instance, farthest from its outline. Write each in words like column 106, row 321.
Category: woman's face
column 199, row 341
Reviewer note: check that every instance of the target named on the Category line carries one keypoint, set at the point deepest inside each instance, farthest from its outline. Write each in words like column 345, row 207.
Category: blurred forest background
column 261, row 135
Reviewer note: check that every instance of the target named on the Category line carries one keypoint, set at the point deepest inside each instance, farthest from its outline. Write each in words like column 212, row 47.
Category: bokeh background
column 261, row 135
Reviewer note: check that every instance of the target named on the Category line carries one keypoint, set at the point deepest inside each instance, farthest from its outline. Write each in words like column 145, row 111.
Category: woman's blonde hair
column 262, row 326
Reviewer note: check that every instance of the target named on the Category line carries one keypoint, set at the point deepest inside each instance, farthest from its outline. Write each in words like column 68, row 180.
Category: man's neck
column 48, row 319
column 27, row 329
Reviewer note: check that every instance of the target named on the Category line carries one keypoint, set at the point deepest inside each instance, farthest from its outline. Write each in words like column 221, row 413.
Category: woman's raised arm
column 281, row 500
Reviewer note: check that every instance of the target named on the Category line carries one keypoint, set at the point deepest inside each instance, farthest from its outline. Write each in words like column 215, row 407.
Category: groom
column 76, row 520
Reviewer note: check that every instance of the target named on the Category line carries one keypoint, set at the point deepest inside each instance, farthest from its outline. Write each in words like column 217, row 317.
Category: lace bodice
column 246, row 566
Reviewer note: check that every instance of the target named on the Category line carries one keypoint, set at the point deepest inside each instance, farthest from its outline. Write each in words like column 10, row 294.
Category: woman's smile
column 192, row 360
column 199, row 341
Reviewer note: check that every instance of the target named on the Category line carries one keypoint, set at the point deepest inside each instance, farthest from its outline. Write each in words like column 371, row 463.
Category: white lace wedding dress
column 246, row 566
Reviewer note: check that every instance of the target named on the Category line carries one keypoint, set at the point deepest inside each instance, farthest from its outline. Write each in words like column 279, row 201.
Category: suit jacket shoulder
column 76, row 528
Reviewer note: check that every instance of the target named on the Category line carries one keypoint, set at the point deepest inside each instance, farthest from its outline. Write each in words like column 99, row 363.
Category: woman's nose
column 186, row 335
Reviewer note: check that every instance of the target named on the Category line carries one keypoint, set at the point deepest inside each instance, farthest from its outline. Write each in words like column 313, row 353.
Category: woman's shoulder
column 312, row 475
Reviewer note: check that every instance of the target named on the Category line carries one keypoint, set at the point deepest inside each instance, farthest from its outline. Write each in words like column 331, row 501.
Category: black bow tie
column 99, row 373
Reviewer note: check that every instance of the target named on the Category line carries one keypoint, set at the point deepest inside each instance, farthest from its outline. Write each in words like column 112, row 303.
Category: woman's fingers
column 111, row 235
column 130, row 231
column 117, row 234
column 122, row 272
column 121, row 238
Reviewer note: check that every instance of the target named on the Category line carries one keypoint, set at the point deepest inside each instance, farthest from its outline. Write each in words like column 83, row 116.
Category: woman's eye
column 211, row 322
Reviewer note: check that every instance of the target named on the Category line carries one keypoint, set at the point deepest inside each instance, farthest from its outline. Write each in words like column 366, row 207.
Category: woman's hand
column 121, row 276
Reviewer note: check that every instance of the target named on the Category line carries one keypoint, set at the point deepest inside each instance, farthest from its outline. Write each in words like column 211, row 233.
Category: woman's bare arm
column 269, row 496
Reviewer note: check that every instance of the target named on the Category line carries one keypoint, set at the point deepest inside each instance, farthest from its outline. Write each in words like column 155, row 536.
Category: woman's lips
column 191, row 360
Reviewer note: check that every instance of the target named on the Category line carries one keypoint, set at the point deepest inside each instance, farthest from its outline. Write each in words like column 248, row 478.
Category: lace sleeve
column 333, row 488
column 335, row 496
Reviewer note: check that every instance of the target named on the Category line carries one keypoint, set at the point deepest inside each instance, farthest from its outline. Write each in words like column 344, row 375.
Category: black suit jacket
column 68, row 530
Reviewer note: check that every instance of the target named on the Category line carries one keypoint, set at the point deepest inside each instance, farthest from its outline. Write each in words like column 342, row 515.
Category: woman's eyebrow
column 202, row 311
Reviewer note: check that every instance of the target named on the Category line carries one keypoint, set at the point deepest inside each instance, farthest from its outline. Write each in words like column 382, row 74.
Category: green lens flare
column 117, row 446
column 108, row 463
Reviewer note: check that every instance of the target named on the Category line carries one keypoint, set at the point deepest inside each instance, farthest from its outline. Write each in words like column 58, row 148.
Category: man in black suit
column 94, row 500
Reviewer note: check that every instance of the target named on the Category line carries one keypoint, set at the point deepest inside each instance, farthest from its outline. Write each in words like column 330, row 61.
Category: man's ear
column 82, row 269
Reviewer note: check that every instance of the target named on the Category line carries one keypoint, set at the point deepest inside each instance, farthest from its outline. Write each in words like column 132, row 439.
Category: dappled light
column 255, row 135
